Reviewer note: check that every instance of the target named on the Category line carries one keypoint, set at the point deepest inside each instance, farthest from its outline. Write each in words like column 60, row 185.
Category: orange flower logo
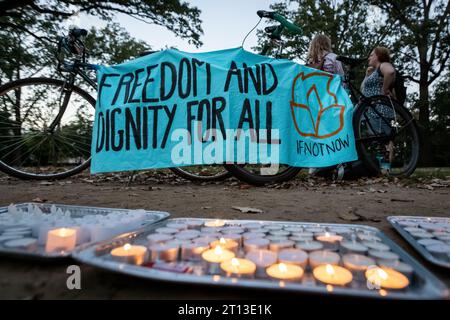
column 310, row 121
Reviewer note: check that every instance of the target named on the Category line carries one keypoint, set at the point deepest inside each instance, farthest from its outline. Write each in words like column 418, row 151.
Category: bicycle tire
column 242, row 174
column 368, row 160
column 30, row 176
column 199, row 178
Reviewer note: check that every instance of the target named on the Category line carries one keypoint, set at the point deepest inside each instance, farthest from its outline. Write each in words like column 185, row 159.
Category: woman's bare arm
column 388, row 72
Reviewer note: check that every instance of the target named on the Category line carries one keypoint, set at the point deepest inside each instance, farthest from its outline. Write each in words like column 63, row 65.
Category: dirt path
column 315, row 201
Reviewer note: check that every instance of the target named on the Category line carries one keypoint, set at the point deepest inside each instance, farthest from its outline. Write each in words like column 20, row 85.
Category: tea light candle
column 329, row 241
column 431, row 226
column 225, row 244
column 177, row 225
column 399, row 266
column 276, row 238
column 238, row 267
column 158, row 238
column 272, row 227
column 316, row 229
column 429, row 242
column 215, row 223
column 293, row 256
column 309, row 246
column 353, row 246
column 166, row 230
column 213, row 258
column 262, row 259
column 280, row 233
column 185, row 236
column 317, row 258
column 164, row 252
column 252, row 226
column 293, row 229
column 6, row 238
column 208, row 230
column 193, row 224
column 27, row 244
column 383, row 255
column 256, row 244
column 439, row 250
column 130, row 254
column 279, row 245
column 332, row 274
column 378, row 246
column 232, row 230
column 62, row 239
column 357, row 263
column 190, row 231
column 386, row 278
column 299, row 238
column 193, row 251
column 422, row 235
column 368, row 237
column 287, row 272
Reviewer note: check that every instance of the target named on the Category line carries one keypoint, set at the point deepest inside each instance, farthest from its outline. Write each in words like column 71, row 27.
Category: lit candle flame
column 222, row 240
column 127, row 247
column 327, row 234
column 282, row 267
column 235, row 262
column 382, row 274
column 329, row 269
column 218, row 250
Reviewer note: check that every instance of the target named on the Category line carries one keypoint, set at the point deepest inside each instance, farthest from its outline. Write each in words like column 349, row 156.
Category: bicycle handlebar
column 281, row 19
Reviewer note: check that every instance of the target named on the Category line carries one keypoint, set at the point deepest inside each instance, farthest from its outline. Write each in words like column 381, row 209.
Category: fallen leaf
column 247, row 210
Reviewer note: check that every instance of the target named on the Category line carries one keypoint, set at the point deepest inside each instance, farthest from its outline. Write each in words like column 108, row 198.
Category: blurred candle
column 62, row 239
column 215, row 223
column 225, row 244
column 317, row 258
column 130, row 254
column 293, row 256
column 279, row 245
column 329, row 241
column 358, row 264
column 256, row 244
column 213, row 258
column 284, row 271
column 193, row 251
column 262, row 259
column 386, row 278
column 309, row 246
column 352, row 247
column 332, row 274
column 164, row 252
column 238, row 267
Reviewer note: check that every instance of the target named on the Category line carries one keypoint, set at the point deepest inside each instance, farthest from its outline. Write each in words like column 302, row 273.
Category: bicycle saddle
column 351, row 62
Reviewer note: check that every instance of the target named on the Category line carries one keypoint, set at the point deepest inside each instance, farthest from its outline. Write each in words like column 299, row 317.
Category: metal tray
column 76, row 212
column 413, row 242
column 424, row 285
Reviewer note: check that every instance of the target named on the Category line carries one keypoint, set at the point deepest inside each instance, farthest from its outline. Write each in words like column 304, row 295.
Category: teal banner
column 174, row 108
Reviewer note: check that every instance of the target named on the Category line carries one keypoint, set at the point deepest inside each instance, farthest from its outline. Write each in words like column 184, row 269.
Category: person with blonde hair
column 321, row 56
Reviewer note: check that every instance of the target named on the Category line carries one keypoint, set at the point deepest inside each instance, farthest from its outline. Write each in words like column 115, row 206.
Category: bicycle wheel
column 383, row 127
column 34, row 142
column 202, row 173
column 259, row 175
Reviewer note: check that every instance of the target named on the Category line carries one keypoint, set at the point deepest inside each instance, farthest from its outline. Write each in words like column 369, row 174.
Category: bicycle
column 46, row 123
column 370, row 141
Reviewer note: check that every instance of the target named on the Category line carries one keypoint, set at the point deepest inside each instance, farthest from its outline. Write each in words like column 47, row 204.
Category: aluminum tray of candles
column 333, row 259
column 428, row 235
column 52, row 231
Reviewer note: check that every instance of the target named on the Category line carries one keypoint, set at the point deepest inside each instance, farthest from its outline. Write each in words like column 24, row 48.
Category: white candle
column 309, row 246
column 276, row 238
column 297, row 238
column 399, row 266
column 193, row 251
column 215, row 223
column 190, row 231
column 62, row 239
column 386, row 278
column 286, row 272
column 428, row 242
column 358, row 264
column 166, row 230
column 214, row 257
column 262, row 259
column 378, row 246
column 272, row 227
column 329, row 241
column 293, row 256
column 235, row 237
column 6, row 238
column 252, row 226
column 280, row 233
column 158, row 238
column 353, row 246
column 279, row 245
column 256, row 244
column 252, row 235
column 317, row 258
column 439, row 250
column 232, row 230
column 383, row 255
column 238, row 267
column 26, row 244
column 225, row 244
column 186, row 236
column 130, row 254
column 294, row 229
column 431, row 226
column 422, row 235
column 164, row 252
column 332, row 275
